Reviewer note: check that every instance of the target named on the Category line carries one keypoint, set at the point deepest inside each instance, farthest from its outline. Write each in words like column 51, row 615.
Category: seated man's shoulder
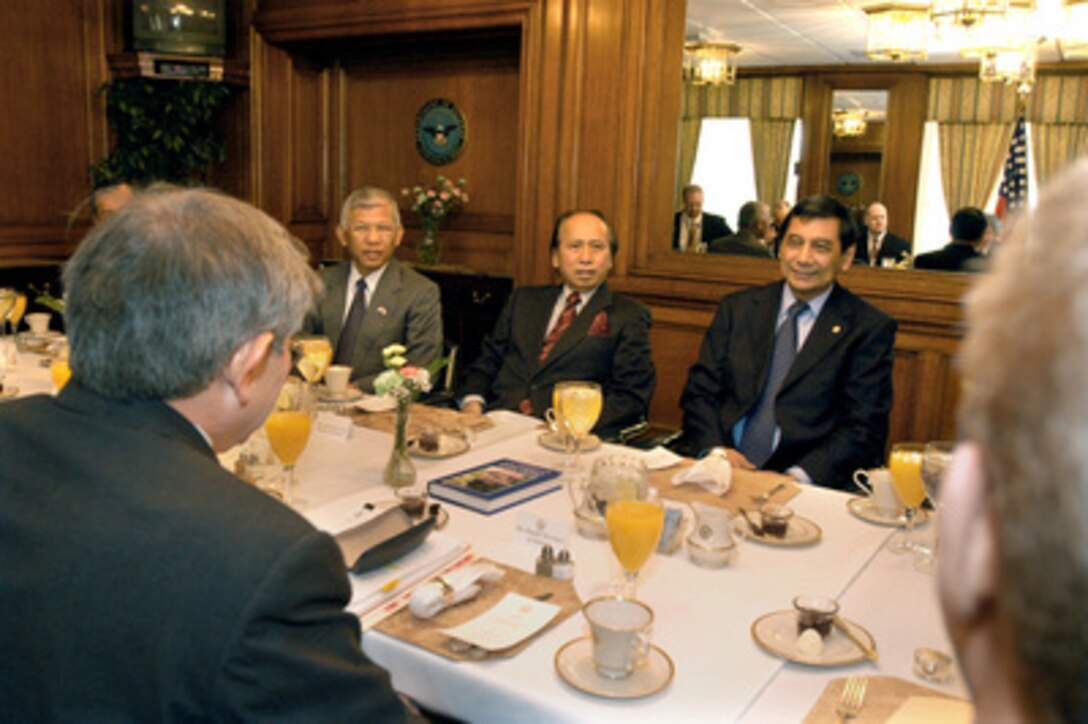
column 413, row 277
column 865, row 310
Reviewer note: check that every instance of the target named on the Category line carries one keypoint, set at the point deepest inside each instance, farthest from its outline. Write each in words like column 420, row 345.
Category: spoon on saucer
column 753, row 526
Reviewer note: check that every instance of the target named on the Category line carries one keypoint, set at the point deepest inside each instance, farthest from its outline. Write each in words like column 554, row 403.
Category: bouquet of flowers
column 438, row 201
column 400, row 379
column 434, row 203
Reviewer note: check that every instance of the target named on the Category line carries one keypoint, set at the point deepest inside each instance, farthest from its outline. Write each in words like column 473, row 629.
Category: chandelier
column 849, row 123
column 710, row 62
column 1004, row 35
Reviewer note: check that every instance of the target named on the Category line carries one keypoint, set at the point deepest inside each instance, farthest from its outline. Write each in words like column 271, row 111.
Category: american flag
column 1014, row 180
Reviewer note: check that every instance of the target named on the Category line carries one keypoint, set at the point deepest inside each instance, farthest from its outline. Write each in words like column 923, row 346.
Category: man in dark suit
column 796, row 376
column 579, row 330
column 970, row 232
column 692, row 229
column 142, row 581
column 399, row 305
column 753, row 223
column 880, row 247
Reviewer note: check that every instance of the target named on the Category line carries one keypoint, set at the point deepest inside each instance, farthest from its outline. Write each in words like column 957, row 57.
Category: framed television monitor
column 189, row 27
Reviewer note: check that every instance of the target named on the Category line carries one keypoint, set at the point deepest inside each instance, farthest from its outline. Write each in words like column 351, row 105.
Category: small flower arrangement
column 438, row 201
column 400, row 379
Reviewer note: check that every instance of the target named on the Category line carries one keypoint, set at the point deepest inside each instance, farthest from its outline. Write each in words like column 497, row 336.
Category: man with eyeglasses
column 577, row 330
column 371, row 300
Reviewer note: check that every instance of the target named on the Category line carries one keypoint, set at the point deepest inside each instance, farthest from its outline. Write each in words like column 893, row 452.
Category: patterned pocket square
column 599, row 327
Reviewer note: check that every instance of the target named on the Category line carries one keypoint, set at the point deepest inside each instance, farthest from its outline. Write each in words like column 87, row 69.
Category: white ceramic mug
column 336, row 378
column 877, row 484
column 620, row 628
column 38, row 322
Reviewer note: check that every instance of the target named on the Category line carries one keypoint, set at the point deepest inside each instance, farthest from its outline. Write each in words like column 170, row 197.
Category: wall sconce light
column 710, row 62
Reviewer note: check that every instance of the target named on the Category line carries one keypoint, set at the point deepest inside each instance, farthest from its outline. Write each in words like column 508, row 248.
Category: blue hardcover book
column 495, row 486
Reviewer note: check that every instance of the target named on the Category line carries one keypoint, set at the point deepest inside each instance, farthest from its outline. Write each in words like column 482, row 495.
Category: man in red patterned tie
column 577, row 330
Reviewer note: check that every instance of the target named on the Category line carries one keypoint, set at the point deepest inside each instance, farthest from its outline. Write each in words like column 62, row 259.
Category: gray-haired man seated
column 141, row 580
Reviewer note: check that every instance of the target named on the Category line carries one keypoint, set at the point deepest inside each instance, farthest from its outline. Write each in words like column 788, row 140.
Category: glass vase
column 428, row 244
column 399, row 471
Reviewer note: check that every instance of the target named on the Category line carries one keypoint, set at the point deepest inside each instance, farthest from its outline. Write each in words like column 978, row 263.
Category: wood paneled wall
column 52, row 61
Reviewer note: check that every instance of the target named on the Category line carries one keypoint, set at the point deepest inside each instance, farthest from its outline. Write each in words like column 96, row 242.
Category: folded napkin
column 713, row 473
column 451, row 589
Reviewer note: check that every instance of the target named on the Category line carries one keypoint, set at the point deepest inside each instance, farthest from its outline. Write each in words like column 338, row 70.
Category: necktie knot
column 796, row 309
column 573, row 298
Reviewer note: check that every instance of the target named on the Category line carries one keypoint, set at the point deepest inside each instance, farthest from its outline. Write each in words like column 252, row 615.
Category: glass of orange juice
column 634, row 528
column 578, row 406
column 905, row 465
column 288, row 429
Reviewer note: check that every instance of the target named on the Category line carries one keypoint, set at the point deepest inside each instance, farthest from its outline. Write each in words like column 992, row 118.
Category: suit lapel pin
column 383, row 311
column 836, row 329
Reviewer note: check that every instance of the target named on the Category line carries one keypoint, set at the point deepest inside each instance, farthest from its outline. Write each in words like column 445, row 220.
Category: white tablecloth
column 703, row 616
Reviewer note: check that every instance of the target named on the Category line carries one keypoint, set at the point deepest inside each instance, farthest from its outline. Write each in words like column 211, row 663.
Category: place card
column 333, row 425
column 512, row 620
column 935, row 710
column 536, row 531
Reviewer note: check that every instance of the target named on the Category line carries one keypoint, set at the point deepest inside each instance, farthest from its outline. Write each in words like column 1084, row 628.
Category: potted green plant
column 164, row 130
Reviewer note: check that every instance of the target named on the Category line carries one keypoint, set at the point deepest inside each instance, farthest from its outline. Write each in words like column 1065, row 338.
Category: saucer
column 554, row 441
column 777, row 634
column 574, row 662
column 862, row 507
column 375, row 403
column 801, row 532
column 351, row 394
column 448, row 446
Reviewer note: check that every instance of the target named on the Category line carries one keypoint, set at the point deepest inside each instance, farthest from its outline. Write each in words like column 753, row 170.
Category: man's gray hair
column 368, row 197
column 161, row 294
column 1025, row 402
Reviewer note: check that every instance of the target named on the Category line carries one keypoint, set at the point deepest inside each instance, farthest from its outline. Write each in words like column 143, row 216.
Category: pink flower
column 430, row 193
column 409, row 371
column 445, row 195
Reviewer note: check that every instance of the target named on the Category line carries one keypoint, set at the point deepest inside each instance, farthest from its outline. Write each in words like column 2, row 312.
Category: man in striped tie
column 796, row 376
column 576, row 330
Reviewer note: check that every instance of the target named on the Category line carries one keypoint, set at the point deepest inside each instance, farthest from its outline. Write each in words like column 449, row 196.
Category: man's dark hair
column 748, row 215
column 823, row 207
column 968, row 224
column 612, row 243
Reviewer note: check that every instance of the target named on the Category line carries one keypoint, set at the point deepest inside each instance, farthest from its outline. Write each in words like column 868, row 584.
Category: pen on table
column 389, row 585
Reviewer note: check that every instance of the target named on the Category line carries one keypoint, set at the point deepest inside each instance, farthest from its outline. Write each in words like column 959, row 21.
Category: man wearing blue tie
column 796, row 376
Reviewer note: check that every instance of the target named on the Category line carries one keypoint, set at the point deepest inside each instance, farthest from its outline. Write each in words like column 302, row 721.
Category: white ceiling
column 795, row 32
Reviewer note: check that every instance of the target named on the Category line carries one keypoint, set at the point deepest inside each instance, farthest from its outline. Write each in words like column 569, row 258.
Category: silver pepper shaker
column 545, row 562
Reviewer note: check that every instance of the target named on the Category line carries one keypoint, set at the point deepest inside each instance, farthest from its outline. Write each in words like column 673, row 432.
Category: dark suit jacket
column 742, row 243
column 608, row 343
column 834, row 403
column 406, row 309
column 143, row 582
column 956, row 256
column 892, row 247
column 714, row 227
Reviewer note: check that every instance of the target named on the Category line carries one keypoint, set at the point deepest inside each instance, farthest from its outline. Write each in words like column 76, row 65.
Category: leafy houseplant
column 165, row 130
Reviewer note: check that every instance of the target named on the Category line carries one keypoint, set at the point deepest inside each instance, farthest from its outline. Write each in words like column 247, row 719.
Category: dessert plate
column 574, row 662
column 863, row 508
column 448, row 446
column 555, row 441
column 800, row 532
column 375, row 403
column 777, row 634
column 351, row 394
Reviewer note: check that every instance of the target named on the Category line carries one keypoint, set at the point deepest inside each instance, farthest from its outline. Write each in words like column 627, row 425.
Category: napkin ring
column 447, row 589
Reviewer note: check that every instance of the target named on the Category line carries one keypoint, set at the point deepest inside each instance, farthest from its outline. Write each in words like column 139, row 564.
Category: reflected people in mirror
column 692, row 228
column 753, row 224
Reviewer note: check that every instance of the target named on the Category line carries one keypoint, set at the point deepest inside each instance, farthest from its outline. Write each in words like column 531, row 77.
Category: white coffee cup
column 336, row 378
column 877, row 484
column 620, row 628
column 38, row 322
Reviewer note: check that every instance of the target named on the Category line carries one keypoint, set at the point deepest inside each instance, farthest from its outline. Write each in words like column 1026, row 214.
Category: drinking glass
column 905, row 464
column 936, row 457
column 288, row 429
column 59, row 371
column 578, row 406
column 634, row 528
column 314, row 354
column 8, row 298
column 15, row 314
